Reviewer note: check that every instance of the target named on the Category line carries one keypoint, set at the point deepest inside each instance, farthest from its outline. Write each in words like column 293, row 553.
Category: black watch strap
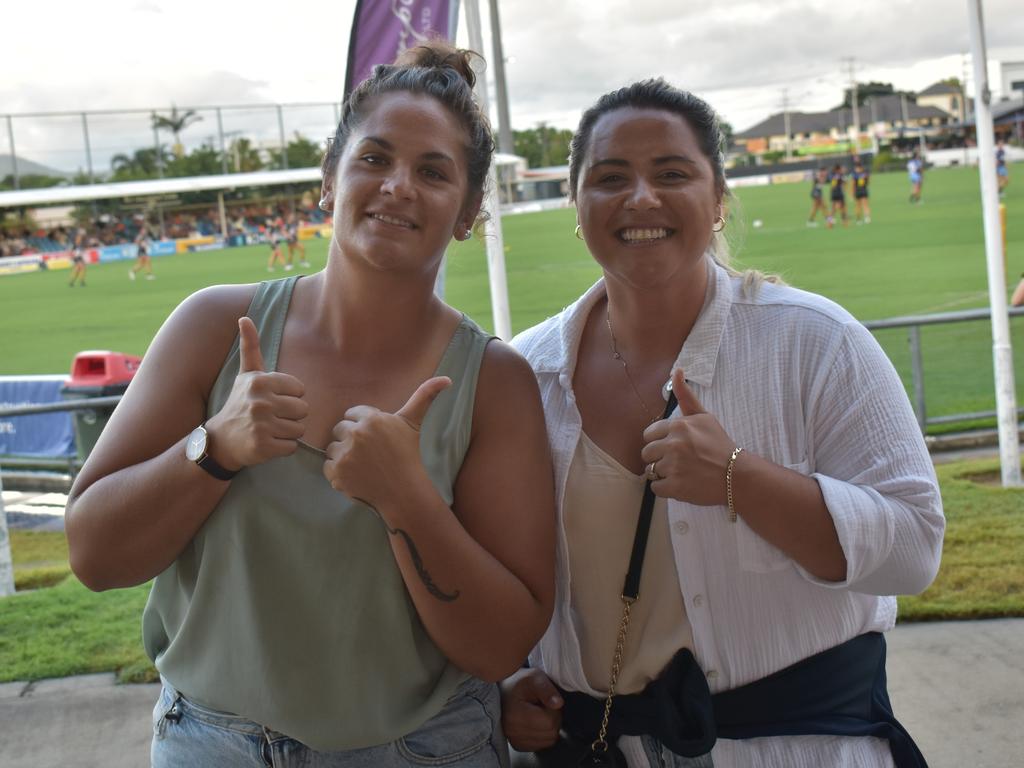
column 210, row 465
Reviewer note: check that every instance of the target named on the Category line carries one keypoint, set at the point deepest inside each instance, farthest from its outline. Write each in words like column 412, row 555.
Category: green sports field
column 909, row 260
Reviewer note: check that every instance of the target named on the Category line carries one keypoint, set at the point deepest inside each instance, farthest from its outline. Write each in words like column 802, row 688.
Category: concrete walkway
column 958, row 687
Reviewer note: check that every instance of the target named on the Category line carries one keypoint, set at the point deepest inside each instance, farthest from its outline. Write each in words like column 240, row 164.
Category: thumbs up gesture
column 690, row 452
column 264, row 415
column 373, row 450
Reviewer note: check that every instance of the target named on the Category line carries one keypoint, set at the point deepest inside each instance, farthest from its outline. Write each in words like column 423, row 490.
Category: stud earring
column 579, row 230
column 324, row 204
column 468, row 234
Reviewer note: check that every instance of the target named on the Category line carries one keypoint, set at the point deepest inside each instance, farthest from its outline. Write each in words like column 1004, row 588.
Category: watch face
column 196, row 445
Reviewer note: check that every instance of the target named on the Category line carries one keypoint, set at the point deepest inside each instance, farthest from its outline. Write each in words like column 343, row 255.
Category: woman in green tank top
column 340, row 484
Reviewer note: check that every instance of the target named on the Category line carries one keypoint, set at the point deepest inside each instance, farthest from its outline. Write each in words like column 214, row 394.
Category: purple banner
column 382, row 29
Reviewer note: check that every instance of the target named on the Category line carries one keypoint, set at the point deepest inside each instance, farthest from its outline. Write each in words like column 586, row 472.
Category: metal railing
column 105, row 133
column 70, row 464
column 914, row 323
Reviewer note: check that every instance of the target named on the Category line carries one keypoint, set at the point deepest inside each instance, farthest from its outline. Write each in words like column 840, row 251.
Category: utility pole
column 851, row 63
column 785, row 121
column 963, row 102
column 874, row 128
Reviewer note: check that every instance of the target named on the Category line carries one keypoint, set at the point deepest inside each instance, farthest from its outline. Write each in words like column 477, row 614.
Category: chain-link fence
column 90, row 147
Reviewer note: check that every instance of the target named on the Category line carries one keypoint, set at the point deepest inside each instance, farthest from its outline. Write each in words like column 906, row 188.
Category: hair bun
column 439, row 54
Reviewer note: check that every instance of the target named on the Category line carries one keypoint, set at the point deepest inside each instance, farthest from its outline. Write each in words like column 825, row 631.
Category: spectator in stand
column 792, row 491
column 358, row 538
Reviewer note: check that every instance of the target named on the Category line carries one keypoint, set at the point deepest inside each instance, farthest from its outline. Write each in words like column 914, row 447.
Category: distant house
column 886, row 116
column 943, row 96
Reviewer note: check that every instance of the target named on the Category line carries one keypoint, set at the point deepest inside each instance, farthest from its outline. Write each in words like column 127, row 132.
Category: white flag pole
column 1002, row 352
column 493, row 240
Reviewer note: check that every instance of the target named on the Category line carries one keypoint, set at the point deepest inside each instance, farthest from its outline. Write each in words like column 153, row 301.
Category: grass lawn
column 909, row 260
column 66, row 629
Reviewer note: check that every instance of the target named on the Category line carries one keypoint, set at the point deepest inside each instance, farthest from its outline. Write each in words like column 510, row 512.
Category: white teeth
column 634, row 235
column 392, row 220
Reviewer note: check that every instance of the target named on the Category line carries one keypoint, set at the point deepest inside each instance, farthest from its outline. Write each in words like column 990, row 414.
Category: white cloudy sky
column 68, row 55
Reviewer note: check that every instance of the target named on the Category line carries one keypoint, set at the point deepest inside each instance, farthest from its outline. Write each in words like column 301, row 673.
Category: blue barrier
column 163, row 247
column 216, row 245
column 41, row 434
column 121, row 252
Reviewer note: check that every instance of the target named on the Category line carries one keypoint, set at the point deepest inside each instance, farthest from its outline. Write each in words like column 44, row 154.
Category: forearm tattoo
column 417, row 562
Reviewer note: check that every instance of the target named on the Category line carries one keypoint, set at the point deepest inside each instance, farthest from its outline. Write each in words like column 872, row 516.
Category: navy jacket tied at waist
column 838, row 692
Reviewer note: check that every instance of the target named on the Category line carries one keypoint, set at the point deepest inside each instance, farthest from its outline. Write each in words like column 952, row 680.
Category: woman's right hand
column 264, row 415
column 531, row 710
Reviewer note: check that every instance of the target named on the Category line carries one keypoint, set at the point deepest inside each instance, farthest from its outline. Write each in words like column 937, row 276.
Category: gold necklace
column 651, row 418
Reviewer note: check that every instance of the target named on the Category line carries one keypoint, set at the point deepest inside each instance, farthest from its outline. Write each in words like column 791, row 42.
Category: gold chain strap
column 600, row 744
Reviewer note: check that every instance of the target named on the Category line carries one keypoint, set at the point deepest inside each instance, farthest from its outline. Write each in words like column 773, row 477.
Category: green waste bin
column 96, row 374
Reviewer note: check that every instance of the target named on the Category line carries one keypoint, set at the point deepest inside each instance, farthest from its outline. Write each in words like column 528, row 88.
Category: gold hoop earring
column 721, row 224
column 579, row 229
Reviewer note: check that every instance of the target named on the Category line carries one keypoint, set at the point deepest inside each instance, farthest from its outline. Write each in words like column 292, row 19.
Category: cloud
column 738, row 54
column 569, row 53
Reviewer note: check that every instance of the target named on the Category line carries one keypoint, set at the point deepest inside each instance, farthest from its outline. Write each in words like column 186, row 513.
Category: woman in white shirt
column 794, row 493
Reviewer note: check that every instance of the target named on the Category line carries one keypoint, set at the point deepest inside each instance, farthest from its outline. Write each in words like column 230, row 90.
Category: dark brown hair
column 436, row 69
column 653, row 94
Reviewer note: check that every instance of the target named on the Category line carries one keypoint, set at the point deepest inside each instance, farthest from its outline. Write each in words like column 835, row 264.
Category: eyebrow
column 663, row 160
column 385, row 144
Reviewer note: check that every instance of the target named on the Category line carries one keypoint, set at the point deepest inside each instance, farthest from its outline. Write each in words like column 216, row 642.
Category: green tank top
column 287, row 607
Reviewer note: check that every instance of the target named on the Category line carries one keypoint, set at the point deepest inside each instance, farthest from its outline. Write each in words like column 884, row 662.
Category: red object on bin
column 98, row 368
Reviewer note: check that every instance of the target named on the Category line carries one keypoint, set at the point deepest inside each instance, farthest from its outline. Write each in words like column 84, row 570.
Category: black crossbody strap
column 631, row 588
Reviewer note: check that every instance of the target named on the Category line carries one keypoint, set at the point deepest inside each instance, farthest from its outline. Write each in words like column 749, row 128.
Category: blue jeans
column 466, row 733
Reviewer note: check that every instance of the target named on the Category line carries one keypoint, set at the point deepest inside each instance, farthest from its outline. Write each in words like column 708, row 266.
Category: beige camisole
column 600, row 510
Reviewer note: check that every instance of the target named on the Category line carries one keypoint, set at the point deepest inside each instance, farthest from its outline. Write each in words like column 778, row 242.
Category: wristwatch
column 196, row 450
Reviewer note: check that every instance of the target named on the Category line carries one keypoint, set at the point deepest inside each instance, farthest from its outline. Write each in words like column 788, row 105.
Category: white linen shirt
column 796, row 379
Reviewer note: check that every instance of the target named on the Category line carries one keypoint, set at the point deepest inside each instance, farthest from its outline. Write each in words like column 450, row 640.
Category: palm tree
column 175, row 123
column 245, row 156
column 141, row 164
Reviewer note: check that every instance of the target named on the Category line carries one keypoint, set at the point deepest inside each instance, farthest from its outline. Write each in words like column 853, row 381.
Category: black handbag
column 570, row 751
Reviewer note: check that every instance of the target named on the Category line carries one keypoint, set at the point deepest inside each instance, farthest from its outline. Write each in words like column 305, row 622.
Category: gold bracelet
column 728, row 483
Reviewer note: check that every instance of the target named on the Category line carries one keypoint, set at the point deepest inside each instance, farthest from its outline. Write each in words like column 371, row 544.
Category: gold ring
column 651, row 473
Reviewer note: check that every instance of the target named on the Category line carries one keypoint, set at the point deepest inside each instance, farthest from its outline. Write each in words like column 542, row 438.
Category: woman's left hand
column 689, row 453
column 374, row 450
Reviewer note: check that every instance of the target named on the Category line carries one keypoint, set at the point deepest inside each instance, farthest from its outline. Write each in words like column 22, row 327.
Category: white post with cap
column 493, row 240
column 1002, row 351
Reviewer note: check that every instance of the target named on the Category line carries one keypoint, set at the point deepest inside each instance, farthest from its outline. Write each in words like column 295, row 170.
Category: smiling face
column 646, row 198
column 400, row 191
